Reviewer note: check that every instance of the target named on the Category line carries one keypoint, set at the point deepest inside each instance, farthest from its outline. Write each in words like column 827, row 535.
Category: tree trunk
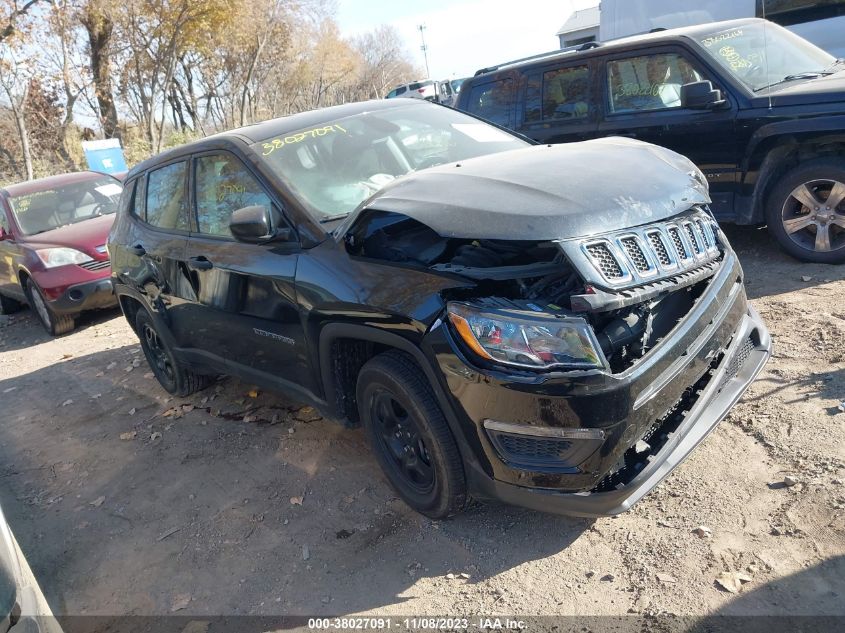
column 100, row 27
column 18, row 111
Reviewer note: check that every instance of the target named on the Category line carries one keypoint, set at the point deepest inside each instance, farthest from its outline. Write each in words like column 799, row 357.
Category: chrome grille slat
column 648, row 253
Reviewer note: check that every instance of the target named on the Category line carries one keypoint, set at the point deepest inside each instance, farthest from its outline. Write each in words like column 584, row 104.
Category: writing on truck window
column 277, row 143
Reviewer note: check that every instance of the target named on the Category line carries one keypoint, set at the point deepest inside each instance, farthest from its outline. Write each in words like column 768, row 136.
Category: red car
column 53, row 246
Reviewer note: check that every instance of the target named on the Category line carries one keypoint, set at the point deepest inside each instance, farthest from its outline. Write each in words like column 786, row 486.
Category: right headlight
column 525, row 339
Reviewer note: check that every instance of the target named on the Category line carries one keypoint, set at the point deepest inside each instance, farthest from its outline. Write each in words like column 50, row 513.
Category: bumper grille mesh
column 519, row 448
column 605, row 261
column 738, row 360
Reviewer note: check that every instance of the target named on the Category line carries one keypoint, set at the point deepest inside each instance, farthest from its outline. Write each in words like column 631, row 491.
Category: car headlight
column 526, row 339
column 54, row 257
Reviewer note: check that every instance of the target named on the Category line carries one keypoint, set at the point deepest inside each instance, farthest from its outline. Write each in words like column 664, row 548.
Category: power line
column 424, row 49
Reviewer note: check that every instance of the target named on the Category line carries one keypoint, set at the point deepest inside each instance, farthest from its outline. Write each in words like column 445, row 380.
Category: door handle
column 199, row 263
column 138, row 250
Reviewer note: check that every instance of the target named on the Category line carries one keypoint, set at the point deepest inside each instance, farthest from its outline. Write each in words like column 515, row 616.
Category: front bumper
column 721, row 392
column 673, row 398
column 90, row 295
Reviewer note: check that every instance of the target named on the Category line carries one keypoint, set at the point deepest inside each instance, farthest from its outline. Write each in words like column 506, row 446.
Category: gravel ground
column 237, row 502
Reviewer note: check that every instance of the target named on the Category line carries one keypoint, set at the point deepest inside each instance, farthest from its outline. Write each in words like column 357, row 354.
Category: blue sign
column 105, row 156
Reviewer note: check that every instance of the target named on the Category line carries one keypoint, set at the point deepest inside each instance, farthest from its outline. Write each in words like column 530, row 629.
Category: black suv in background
column 759, row 110
column 553, row 326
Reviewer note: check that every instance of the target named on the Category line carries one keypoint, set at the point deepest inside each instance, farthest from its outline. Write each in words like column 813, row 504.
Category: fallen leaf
column 187, row 408
column 67, row 402
column 296, row 501
column 253, row 393
column 732, row 581
column 181, row 601
column 155, row 436
column 129, row 436
column 111, row 365
column 132, row 411
column 96, row 395
column 250, row 418
column 806, row 278
column 64, row 356
column 702, row 531
column 98, row 502
column 98, row 374
column 790, row 481
column 149, row 374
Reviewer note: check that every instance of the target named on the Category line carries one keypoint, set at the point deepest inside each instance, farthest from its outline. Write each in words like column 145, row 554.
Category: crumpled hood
column 547, row 192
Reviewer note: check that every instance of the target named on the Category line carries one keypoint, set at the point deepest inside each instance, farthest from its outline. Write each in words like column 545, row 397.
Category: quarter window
column 649, row 82
column 493, row 101
column 167, row 206
column 566, row 93
column 224, row 185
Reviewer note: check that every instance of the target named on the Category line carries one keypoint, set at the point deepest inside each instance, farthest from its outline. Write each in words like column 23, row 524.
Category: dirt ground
column 236, row 502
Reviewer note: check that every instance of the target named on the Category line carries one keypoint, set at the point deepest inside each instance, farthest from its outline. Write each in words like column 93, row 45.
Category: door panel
column 244, row 309
column 10, row 252
column 642, row 100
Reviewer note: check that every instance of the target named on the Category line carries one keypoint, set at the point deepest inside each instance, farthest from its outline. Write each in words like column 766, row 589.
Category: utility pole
column 424, row 49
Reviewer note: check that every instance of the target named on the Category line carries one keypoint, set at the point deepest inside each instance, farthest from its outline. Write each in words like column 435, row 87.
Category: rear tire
column 801, row 215
column 55, row 324
column 410, row 436
column 175, row 377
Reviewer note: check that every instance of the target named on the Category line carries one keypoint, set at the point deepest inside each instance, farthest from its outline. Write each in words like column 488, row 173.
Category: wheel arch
column 773, row 154
column 339, row 389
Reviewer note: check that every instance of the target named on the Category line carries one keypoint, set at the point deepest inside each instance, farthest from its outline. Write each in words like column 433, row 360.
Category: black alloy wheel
column 410, row 436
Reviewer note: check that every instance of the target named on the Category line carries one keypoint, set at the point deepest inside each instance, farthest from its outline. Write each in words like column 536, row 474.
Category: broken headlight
column 526, row 339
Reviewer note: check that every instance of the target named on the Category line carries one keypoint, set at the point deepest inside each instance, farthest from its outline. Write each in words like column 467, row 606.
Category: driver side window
column 648, row 82
column 224, row 185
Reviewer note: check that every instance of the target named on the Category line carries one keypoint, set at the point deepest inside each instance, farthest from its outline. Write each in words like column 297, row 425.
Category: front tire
column 176, row 379
column 806, row 211
column 55, row 324
column 410, row 436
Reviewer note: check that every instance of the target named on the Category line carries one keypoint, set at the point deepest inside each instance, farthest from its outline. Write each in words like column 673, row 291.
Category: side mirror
column 700, row 95
column 255, row 224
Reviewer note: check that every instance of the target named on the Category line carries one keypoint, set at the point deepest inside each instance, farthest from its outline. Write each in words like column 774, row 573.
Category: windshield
column 49, row 209
column 763, row 54
column 335, row 167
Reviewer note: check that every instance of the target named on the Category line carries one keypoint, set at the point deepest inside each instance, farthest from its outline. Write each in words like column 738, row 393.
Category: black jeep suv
column 553, row 326
column 759, row 110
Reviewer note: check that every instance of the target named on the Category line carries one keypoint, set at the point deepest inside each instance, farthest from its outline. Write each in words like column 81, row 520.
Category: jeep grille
column 646, row 253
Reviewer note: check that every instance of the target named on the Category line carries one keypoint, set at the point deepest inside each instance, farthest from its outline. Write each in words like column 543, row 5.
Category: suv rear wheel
column 171, row 374
column 410, row 436
column 55, row 324
column 806, row 211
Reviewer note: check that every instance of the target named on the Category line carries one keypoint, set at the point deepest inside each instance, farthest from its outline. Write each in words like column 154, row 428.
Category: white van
column 822, row 22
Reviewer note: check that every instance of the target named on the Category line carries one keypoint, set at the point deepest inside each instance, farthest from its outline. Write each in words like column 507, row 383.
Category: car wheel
column 55, row 324
column 8, row 305
column 410, row 436
column 171, row 374
column 806, row 211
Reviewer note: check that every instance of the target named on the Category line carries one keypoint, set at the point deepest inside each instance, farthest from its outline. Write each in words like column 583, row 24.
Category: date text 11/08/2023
column 416, row 623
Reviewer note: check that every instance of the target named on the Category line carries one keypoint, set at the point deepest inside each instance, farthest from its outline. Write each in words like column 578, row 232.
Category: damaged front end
column 600, row 302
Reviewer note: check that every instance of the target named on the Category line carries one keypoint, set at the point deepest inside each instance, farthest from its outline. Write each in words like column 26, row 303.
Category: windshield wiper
column 332, row 218
column 810, row 74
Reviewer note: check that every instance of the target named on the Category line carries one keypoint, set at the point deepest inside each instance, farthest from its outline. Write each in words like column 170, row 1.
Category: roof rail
column 569, row 49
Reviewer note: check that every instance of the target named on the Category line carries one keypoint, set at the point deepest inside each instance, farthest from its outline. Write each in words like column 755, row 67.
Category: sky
column 464, row 35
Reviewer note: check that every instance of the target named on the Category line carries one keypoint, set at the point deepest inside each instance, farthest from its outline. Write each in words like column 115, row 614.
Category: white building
column 581, row 27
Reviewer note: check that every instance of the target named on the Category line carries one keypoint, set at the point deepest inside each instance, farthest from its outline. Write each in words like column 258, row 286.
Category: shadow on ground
column 222, row 503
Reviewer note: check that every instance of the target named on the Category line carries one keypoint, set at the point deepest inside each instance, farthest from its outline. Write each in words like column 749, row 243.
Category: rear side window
column 167, row 206
column 224, row 185
column 126, row 198
column 648, row 82
column 493, row 101
column 566, row 93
